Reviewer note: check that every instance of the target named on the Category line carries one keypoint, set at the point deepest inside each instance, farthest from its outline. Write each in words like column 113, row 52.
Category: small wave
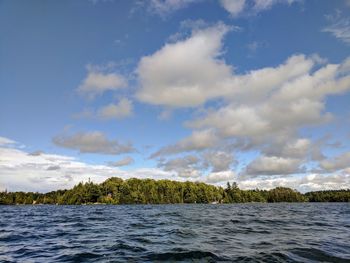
column 183, row 233
column 126, row 247
column 251, row 230
column 203, row 233
column 183, row 256
column 265, row 257
column 316, row 255
column 141, row 225
column 79, row 257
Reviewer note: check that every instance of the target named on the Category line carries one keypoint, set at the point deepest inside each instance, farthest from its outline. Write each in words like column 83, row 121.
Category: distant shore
column 148, row 191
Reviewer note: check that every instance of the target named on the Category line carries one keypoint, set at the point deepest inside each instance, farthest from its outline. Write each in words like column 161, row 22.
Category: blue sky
column 253, row 91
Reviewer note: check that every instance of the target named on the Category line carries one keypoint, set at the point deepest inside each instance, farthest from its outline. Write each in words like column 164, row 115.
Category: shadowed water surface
column 186, row 233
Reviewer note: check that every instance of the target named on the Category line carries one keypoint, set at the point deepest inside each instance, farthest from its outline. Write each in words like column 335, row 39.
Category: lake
column 281, row 232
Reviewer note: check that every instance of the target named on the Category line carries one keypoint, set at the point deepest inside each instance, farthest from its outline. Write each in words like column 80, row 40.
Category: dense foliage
column 329, row 196
column 148, row 191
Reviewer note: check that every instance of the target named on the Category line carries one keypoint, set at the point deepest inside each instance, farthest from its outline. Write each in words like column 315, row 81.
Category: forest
column 148, row 191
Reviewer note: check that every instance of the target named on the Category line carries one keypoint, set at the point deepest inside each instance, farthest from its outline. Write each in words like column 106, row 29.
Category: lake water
column 183, row 233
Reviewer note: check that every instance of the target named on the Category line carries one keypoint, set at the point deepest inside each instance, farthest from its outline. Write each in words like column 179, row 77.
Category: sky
column 249, row 91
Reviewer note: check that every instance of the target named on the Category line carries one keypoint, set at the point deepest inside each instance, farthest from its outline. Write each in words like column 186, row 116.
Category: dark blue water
column 185, row 233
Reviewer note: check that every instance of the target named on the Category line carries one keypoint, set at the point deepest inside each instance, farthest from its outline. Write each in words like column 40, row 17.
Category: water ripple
column 176, row 233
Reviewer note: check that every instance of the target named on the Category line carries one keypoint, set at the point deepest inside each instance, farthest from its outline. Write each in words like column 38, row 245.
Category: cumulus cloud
column 197, row 141
column 237, row 7
column 234, row 7
column 97, row 82
column 273, row 165
column 122, row 109
column 299, row 148
column 262, row 109
column 122, row 162
column 92, row 142
column 169, row 78
column 294, row 148
column 218, row 160
column 186, row 167
column 114, row 111
column 219, row 177
column 164, row 8
column 218, row 163
column 303, row 183
column 20, row 171
column 336, row 163
column 185, row 73
column 274, row 103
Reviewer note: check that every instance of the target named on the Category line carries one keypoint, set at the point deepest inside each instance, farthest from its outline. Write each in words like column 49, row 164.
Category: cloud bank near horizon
column 43, row 172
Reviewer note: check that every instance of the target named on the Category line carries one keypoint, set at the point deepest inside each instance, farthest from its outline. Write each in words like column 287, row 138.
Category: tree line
column 148, row 191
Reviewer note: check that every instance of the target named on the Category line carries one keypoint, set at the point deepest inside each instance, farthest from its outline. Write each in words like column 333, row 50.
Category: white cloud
column 185, row 167
column 257, row 110
column 113, row 111
column 262, row 109
column 166, row 7
column 185, row 73
column 233, row 121
column 234, row 7
column 97, row 82
column 20, row 171
column 219, row 177
column 339, row 162
column 122, row 162
column 294, row 148
column 122, row 109
column 304, row 183
column 218, row 160
column 170, row 79
column 339, row 27
column 5, row 141
column 198, row 140
column 262, row 5
column 272, row 165
column 193, row 166
column 92, row 142
column 239, row 7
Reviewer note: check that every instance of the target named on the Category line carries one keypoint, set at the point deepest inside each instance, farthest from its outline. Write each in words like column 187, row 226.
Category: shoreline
column 116, row 191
